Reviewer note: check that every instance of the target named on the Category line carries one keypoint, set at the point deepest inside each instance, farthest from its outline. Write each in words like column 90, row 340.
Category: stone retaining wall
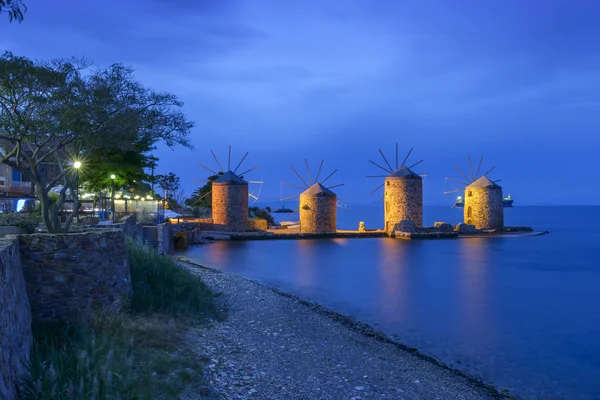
column 71, row 274
column 15, row 319
column 257, row 224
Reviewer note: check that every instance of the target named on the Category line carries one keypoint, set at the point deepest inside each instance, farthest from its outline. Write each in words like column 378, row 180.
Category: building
column 230, row 202
column 483, row 204
column 403, row 198
column 318, row 207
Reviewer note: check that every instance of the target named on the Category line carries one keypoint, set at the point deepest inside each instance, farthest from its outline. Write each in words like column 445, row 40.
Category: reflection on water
column 520, row 312
column 393, row 268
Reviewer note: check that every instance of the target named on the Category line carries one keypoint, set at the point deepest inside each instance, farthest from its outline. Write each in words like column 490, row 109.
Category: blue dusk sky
column 517, row 82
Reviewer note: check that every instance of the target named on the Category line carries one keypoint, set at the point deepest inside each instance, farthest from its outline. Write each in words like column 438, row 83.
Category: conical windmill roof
column 403, row 173
column 483, row 183
column 230, row 178
column 318, row 190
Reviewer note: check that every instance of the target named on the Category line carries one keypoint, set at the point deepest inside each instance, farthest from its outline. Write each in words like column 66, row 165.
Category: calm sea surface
column 521, row 312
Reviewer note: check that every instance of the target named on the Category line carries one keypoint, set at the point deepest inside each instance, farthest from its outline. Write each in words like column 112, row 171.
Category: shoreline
column 366, row 331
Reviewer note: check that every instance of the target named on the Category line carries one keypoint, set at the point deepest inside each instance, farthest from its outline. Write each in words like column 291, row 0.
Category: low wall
column 15, row 319
column 71, row 274
column 257, row 224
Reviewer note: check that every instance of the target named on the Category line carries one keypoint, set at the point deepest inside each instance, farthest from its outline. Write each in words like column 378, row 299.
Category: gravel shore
column 275, row 346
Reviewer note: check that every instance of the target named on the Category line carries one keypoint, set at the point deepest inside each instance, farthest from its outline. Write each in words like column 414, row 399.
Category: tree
column 169, row 184
column 52, row 114
column 14, row 8
column 201, row 197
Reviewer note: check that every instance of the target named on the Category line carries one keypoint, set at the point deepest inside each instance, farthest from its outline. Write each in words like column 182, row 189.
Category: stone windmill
column 482, row 198
column 230, row 195
column 318, row 204
column 403, row 192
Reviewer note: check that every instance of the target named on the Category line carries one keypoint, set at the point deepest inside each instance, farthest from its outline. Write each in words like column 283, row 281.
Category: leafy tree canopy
column 55, row 113
column 14, row 9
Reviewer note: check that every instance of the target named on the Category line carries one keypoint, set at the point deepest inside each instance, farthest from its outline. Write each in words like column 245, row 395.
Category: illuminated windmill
column 482, row 198
column 230, row 195
column 403, row 192
column 318, row 204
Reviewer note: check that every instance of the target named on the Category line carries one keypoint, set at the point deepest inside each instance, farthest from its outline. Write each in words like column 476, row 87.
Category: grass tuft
column 137, row 354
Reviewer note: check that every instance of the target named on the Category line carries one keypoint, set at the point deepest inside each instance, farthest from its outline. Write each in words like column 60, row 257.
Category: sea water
column 520, row 312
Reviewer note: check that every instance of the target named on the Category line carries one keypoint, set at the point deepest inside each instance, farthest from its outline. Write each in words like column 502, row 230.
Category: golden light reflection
column 305, row 268
column 475, row 264
column 392, row 273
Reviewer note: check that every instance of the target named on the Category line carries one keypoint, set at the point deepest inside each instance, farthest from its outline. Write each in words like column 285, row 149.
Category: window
column 469, row 193
column 2, row 181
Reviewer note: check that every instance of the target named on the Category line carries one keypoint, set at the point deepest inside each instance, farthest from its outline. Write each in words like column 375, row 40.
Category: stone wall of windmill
column 318, row 213
column 483, row 207
column 403, row 200
column 230, row 205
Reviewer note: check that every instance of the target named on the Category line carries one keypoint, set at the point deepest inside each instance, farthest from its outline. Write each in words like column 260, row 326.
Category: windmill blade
column 243, row 158
column 251, row 169
column 201, row 180
column 396, row 155
column 470, row 167
column 253, row 196
column 423, row 175
column 385, row 159
column 208, row 169
column 376, row 176
column 330, row 175
column 308, row 171
column 229, row 160
column 453, row 191
column 334, row 186
column 217, row 160
column 497, row 180
column 415, row 164
column 289, row 197
column 204, row 195
column 478, row 167
column 406, row 158
column 319, row 171
column 377, row 188
column 464, row 176
column 490, row 170
column 456, row 180
column 298, row 175
column 294, row 186
column 295, row 211
column 386, row 170
column 257, row 182
column 382, row 196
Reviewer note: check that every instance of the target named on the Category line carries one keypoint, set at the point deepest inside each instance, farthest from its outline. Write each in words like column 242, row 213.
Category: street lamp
column 77, row 165
column 112, row 197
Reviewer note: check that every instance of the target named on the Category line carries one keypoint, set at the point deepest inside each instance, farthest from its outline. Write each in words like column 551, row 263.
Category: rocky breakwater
column 407, row 229
column 15, row 319
column 69, row 275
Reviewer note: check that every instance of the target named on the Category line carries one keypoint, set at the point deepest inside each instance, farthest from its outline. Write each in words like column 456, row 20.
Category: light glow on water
column 521, row 312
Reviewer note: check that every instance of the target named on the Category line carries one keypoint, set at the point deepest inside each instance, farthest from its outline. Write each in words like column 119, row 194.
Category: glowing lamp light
column 77, row 164
column 113, row 177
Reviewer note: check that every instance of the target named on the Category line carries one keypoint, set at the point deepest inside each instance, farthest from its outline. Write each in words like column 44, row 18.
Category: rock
column 465, row 228
column 406, row 225
column 443, row 226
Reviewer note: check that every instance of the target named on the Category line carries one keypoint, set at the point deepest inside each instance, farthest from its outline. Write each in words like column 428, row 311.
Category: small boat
column 506, row 201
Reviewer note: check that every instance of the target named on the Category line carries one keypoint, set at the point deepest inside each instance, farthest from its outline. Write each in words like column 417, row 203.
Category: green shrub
column 263, row 214
column 24, row 220
column 161, row 285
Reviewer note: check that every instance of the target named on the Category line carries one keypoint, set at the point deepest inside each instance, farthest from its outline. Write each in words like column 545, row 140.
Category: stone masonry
column 71, row 274
column 403, row 200
column 483, row 207
column 317, row 214
column 230, row 205
column 15, row 319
